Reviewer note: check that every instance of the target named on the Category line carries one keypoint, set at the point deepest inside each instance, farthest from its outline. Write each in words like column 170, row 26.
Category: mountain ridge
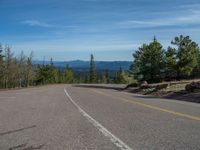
column 82, row 64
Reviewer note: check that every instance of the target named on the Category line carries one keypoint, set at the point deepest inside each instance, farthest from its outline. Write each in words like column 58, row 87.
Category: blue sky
column 110, row 29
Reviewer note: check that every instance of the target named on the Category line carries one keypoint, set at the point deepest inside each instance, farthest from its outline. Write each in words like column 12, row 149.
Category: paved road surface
column 66, row 117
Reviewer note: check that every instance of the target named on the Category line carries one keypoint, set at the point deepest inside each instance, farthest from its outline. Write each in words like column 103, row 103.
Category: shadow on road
column 190, row 97
column 119, row 88
column 144, row 96
column 194, row 97
column 17, row 130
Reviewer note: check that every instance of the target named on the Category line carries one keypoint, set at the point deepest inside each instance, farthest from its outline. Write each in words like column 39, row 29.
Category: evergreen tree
column 51, row 62
column 87, row 78
column 136, row 67
column 92, row 73
column 119, row 77
column 79, row 78
column 105, row 77
column 68, row 75
column 170, row 63
column 53, row 72
column 149, row 62
column 187, row 55
column 47, row 74
column 196, row 71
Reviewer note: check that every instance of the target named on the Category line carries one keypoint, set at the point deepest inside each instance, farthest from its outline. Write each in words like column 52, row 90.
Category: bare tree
column 9, row 65
column 30, row 72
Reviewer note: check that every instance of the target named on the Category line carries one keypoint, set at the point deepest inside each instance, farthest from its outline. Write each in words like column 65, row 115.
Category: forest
column 151, row 63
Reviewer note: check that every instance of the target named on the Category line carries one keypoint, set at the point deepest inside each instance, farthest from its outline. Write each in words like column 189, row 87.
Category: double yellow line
column 150, row 106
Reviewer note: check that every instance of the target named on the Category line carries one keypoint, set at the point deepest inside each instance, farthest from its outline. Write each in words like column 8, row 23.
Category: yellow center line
column 150, row 106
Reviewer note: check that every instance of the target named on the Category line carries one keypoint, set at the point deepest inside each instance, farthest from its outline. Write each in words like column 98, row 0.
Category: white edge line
column 115, row 140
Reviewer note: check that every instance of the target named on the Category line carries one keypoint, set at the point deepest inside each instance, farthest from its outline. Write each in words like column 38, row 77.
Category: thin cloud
column 191, row 19
column 71, row 45
column 190, row 6
column 37, row 23
column 47, row 25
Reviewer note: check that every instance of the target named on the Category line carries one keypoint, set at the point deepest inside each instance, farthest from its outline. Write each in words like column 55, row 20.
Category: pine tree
column 149, row 62
column 105, row 77
column 170, row 63
column 51, row 62
column 68, row 75
column 119, row 77
column 92, row 73
column 47, row 74
column 53, row 72
column 136, row 67
column 187, row 55
column 196, row 71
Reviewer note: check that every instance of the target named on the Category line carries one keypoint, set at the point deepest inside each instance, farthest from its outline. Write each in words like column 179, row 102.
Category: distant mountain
column 79, row 65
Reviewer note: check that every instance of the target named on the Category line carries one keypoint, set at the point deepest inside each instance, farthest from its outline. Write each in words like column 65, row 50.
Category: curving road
column 74, row 117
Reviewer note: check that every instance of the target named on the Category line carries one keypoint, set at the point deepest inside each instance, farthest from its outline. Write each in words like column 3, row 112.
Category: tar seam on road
column 115, row 140
column 151, row 106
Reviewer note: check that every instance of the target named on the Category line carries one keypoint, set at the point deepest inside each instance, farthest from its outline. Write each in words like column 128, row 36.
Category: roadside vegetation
column 175, row 70
column 20, row 71
column 153, row 69
column 154, row 64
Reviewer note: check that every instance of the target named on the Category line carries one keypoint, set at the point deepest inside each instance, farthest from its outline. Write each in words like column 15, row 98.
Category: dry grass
column 176, row 87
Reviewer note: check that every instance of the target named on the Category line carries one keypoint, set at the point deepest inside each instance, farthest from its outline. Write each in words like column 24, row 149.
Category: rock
column 192, row 86
column 144, row 85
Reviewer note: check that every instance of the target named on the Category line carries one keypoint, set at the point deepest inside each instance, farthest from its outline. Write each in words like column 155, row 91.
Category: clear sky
column 110, row 29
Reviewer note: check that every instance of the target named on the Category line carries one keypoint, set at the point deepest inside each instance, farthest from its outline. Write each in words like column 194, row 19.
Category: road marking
column 115, row 140
column 150, row 106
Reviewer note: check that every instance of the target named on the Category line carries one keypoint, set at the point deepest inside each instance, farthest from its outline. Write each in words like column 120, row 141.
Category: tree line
column 20, row 71
column 153, row 64
column 119, row 77
column 15, row 71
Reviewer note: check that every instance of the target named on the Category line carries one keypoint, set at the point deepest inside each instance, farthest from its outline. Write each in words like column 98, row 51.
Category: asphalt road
column 69, row 117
